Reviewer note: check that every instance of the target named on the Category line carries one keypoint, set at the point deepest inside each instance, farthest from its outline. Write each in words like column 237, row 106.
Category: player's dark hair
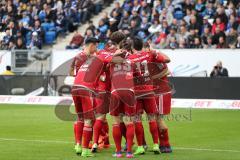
column 8, row 68
column 117, row 37
column 126, row 44
column 137, row 43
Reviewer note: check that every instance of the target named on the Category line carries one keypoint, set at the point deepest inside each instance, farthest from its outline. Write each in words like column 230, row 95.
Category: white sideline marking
column 68, row 142
column 205, row 149
column 35, row 140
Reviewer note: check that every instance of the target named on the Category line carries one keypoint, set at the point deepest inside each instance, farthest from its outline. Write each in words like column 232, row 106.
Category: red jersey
column 104, row 81
column 121, row 75
column 90, row 71
column 162, row 83
column 147, row 64
column 164, row 86
column 78, row 61
column 122, row 82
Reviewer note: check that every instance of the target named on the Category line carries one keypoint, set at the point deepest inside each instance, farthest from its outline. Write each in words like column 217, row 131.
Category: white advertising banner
column 206, row 103
column 61, row 61
column 34, row 100
column 189, row 62
column 176, row 103
column 184, row 62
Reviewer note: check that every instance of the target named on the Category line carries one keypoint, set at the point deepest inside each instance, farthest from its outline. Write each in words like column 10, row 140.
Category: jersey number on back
column 143, row 68
column 122, row 67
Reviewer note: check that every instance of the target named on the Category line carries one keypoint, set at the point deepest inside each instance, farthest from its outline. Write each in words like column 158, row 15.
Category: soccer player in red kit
column 83, row 100
column 147, row 101
column 78, row 125
column 78, row 61
column 122, row 99
column 102, row 104
column 164, row 103
column 85, row 89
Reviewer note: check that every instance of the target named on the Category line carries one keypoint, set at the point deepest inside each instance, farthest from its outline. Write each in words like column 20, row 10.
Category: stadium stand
column 39, row 22
column 167, row 24
column 174, row 24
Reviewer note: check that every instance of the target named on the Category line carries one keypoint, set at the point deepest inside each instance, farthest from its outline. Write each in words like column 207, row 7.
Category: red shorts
column 83, row 105
column 101, row 103
column 148, row 105
column 102, row 99
column 144, row 90
column 123, row 104
column 164, row 103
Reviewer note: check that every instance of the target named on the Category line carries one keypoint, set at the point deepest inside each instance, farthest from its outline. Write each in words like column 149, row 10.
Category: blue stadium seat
column 45, row 26
column 51, row 27
column 50, row 37
column 42, row 16
column 48, row 27
column 178, row 15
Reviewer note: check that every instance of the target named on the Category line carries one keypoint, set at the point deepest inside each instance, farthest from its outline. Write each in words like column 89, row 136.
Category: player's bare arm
column 164, row 73
column 165, row 58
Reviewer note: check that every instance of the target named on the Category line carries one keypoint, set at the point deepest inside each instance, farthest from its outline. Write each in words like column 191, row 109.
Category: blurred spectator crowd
column 29, row 24
column 173, row 24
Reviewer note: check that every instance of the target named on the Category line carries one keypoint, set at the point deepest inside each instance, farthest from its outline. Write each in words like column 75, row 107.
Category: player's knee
column 116, row 120
column 138, row 118
column 160, row 118
column 151, row 117
column 163, row 126
column 88, row 122
column 100, row 116
column 161, row 123
column 121, row 118
column 80, row 119
column 128, row 119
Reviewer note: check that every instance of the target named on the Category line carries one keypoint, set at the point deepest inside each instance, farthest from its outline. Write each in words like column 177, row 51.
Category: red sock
column 164, row 139
column 105, row 127
column 117, row 136
column 78, row 131
column 154, row 131
column 123, row 129
column 97, row 130
column 130, row 136
column 106, row 131
column 87, row 136
column 139, row 131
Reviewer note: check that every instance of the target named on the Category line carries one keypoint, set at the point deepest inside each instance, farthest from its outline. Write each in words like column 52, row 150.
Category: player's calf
column 78, row 130
column 128, row 120
column 153, row 127
column 139, row 132
column 98, row 125
column 87, row 136
column 165, row 146
column 117, row 134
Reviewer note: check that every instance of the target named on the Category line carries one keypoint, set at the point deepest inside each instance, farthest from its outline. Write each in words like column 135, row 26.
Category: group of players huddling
column 124, row 79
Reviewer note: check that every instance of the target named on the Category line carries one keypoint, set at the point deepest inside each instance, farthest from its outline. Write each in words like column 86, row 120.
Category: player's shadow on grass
column 62, row 111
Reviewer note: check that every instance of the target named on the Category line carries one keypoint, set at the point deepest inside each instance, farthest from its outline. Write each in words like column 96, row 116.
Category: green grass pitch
column 35, row 133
